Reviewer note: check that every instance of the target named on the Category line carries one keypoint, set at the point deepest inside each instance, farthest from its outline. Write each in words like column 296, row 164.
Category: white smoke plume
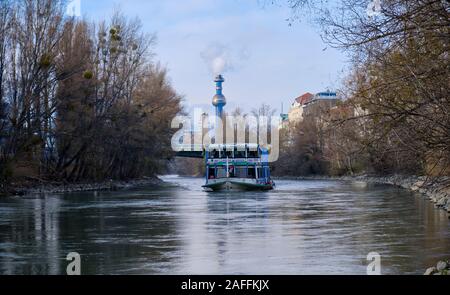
column 218, row 65
column 221, row 59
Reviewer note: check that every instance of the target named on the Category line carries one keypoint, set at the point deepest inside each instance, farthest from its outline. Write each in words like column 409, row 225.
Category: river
column 301, row 227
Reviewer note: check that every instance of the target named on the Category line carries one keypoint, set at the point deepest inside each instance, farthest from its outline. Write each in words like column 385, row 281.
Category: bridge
column 190, row 151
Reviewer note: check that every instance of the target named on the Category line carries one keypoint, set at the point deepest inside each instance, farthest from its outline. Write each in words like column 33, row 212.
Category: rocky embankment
column 436, row 190
column 441, row 268
column 47, row 187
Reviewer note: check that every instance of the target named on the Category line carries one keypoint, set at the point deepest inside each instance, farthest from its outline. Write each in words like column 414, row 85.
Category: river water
column 301, row 227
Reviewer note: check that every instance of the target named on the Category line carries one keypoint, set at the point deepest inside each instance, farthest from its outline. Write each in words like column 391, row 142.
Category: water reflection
column 39, row 226
column 303, row 227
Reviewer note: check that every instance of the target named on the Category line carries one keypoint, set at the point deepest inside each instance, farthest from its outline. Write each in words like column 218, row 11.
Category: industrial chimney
column 219, row 100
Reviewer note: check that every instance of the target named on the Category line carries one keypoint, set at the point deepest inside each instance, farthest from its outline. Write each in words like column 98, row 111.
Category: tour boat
column 237, row 167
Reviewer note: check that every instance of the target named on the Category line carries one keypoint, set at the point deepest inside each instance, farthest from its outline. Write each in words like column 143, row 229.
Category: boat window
column 260, row 173
column 241, row 172
column 211, row 173
column 239, row 154
column 214, row 154
column 251, row 172
column 231, row 171
column 253, row 154
column 221, row 172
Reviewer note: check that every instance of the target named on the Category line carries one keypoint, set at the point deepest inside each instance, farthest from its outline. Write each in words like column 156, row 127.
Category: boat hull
column 236, row 185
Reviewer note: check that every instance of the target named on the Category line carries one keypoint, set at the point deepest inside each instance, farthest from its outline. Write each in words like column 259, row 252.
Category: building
column 284, row 118
column 295, row 114
column 309, row 104
column 303, row 99
column 320, row 103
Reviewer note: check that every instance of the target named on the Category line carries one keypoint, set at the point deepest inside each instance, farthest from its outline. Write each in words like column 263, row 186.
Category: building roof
column 305, row 98
column 326, row 95
column 323, row 96
column 250, row 146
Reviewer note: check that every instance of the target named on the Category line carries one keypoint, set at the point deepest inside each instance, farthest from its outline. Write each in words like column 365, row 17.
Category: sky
column 266, row 60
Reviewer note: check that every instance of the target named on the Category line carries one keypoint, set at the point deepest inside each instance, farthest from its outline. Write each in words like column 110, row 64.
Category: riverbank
column 27, row 188
column 441, row 268
column 436, row 190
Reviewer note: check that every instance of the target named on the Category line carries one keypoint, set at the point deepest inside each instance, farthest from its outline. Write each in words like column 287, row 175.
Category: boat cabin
column 237, row 161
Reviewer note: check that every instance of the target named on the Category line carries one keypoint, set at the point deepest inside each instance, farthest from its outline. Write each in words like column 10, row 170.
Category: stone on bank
column 441, row 268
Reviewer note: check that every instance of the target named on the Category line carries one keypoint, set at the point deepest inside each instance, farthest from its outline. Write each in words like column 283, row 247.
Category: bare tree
column 79, row 101
column 401, row 78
